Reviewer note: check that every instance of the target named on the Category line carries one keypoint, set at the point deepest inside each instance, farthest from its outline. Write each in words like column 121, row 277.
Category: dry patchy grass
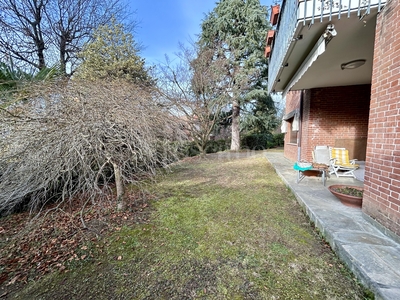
column 223, row 227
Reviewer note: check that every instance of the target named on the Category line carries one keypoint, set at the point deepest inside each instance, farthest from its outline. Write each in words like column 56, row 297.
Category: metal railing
column 320, row 9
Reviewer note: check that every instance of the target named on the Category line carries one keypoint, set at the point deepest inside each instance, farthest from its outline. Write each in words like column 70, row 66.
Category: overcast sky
column 165, row 23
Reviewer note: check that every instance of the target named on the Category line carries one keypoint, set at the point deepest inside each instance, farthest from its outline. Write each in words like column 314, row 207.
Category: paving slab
column 373, row 256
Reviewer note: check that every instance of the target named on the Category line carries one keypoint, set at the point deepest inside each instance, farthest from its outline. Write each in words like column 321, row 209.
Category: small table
column 313, row 170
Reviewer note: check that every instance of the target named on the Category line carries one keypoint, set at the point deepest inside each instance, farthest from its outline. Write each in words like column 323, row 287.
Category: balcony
column 314, row 38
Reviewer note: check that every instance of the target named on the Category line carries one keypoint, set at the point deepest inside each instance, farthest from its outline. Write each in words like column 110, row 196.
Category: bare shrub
column 77, row 138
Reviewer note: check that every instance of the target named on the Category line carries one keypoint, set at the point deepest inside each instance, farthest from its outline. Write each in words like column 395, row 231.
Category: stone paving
column 372, row 255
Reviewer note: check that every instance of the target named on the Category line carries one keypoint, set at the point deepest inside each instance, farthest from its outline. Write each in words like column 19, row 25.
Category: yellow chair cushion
column 342, row 158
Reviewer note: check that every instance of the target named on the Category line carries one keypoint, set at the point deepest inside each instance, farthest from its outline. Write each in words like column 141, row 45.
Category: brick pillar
column 382, row 177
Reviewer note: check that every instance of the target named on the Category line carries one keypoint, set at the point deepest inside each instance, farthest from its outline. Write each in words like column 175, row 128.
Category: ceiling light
column 353, row 64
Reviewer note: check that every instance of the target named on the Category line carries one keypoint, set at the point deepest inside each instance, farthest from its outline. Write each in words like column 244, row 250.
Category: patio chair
column 319, row 166
column 341, row 165
column 321, row 155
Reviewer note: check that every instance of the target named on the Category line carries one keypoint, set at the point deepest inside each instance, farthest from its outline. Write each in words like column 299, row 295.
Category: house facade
column 337, row 62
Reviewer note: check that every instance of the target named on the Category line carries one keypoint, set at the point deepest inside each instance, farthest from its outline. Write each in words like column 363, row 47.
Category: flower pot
column 349, row 200
column 270, row 37
column 267, row 51
column 274, row 14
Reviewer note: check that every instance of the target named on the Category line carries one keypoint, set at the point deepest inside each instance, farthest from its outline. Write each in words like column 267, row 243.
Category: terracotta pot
column 267, row 51
column 274, row 14
column 348, row 200
column 270, row 37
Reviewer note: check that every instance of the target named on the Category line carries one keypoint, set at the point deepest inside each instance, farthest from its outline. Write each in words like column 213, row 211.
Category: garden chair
column 341, row 165
column 319, row 166
column 321, row 155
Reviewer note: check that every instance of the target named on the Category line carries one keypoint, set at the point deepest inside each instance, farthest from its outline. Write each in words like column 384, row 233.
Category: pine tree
column 236, row 31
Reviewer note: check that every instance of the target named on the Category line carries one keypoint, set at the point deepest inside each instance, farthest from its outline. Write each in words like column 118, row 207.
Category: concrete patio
column 372, row 255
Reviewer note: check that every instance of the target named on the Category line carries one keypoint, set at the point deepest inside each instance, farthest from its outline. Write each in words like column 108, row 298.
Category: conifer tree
column 236, row 31
column 113, row 54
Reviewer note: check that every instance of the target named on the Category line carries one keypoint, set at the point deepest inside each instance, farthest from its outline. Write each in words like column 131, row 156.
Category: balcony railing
column 300, row 12
column 320, row 9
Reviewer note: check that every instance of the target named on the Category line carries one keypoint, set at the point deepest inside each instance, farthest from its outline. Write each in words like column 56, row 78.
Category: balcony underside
column 354, row 40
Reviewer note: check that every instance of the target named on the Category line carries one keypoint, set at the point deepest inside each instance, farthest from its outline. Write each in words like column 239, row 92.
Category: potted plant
column 349, row 195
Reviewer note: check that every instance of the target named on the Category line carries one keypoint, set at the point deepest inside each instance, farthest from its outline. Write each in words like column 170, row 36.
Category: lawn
column 221, row 227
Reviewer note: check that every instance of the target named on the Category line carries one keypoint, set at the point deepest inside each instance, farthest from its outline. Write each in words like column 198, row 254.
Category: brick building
column 338, row 64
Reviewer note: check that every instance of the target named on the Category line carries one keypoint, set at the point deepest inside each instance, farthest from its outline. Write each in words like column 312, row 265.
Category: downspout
column 300, row 127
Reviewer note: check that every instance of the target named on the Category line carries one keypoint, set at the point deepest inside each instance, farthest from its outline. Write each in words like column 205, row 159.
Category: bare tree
column 191, row 88
column 78, row 138
column 22, row 36
column 34, row 32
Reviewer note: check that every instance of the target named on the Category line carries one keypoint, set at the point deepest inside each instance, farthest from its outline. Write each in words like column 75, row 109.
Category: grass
column 220, row 229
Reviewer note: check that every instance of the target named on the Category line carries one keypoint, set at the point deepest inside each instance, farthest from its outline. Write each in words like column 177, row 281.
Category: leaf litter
column 32, row 246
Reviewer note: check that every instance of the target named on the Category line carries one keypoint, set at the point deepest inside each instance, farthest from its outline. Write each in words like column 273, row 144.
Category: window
column 292, row 122
column 292, row 133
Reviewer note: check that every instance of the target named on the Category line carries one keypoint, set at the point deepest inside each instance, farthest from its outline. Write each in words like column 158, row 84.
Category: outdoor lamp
column 353, row 64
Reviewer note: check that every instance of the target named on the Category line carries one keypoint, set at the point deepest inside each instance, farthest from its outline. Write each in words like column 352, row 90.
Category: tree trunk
column 202, row 147
column 235, row 141
column 121, row 201
column 40, row 52
column 63, row 51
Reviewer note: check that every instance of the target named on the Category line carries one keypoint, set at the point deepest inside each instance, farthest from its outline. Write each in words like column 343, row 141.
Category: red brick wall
column 337, row 113
column 331, row 114
column 382, row 177
column 292, row 103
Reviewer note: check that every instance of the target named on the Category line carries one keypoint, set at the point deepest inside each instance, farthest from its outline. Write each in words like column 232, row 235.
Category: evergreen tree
column 236, row 31
column 261, row 117
column 112, row 54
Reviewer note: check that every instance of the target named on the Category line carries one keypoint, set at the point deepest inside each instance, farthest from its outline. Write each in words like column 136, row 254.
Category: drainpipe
column 300, row 127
